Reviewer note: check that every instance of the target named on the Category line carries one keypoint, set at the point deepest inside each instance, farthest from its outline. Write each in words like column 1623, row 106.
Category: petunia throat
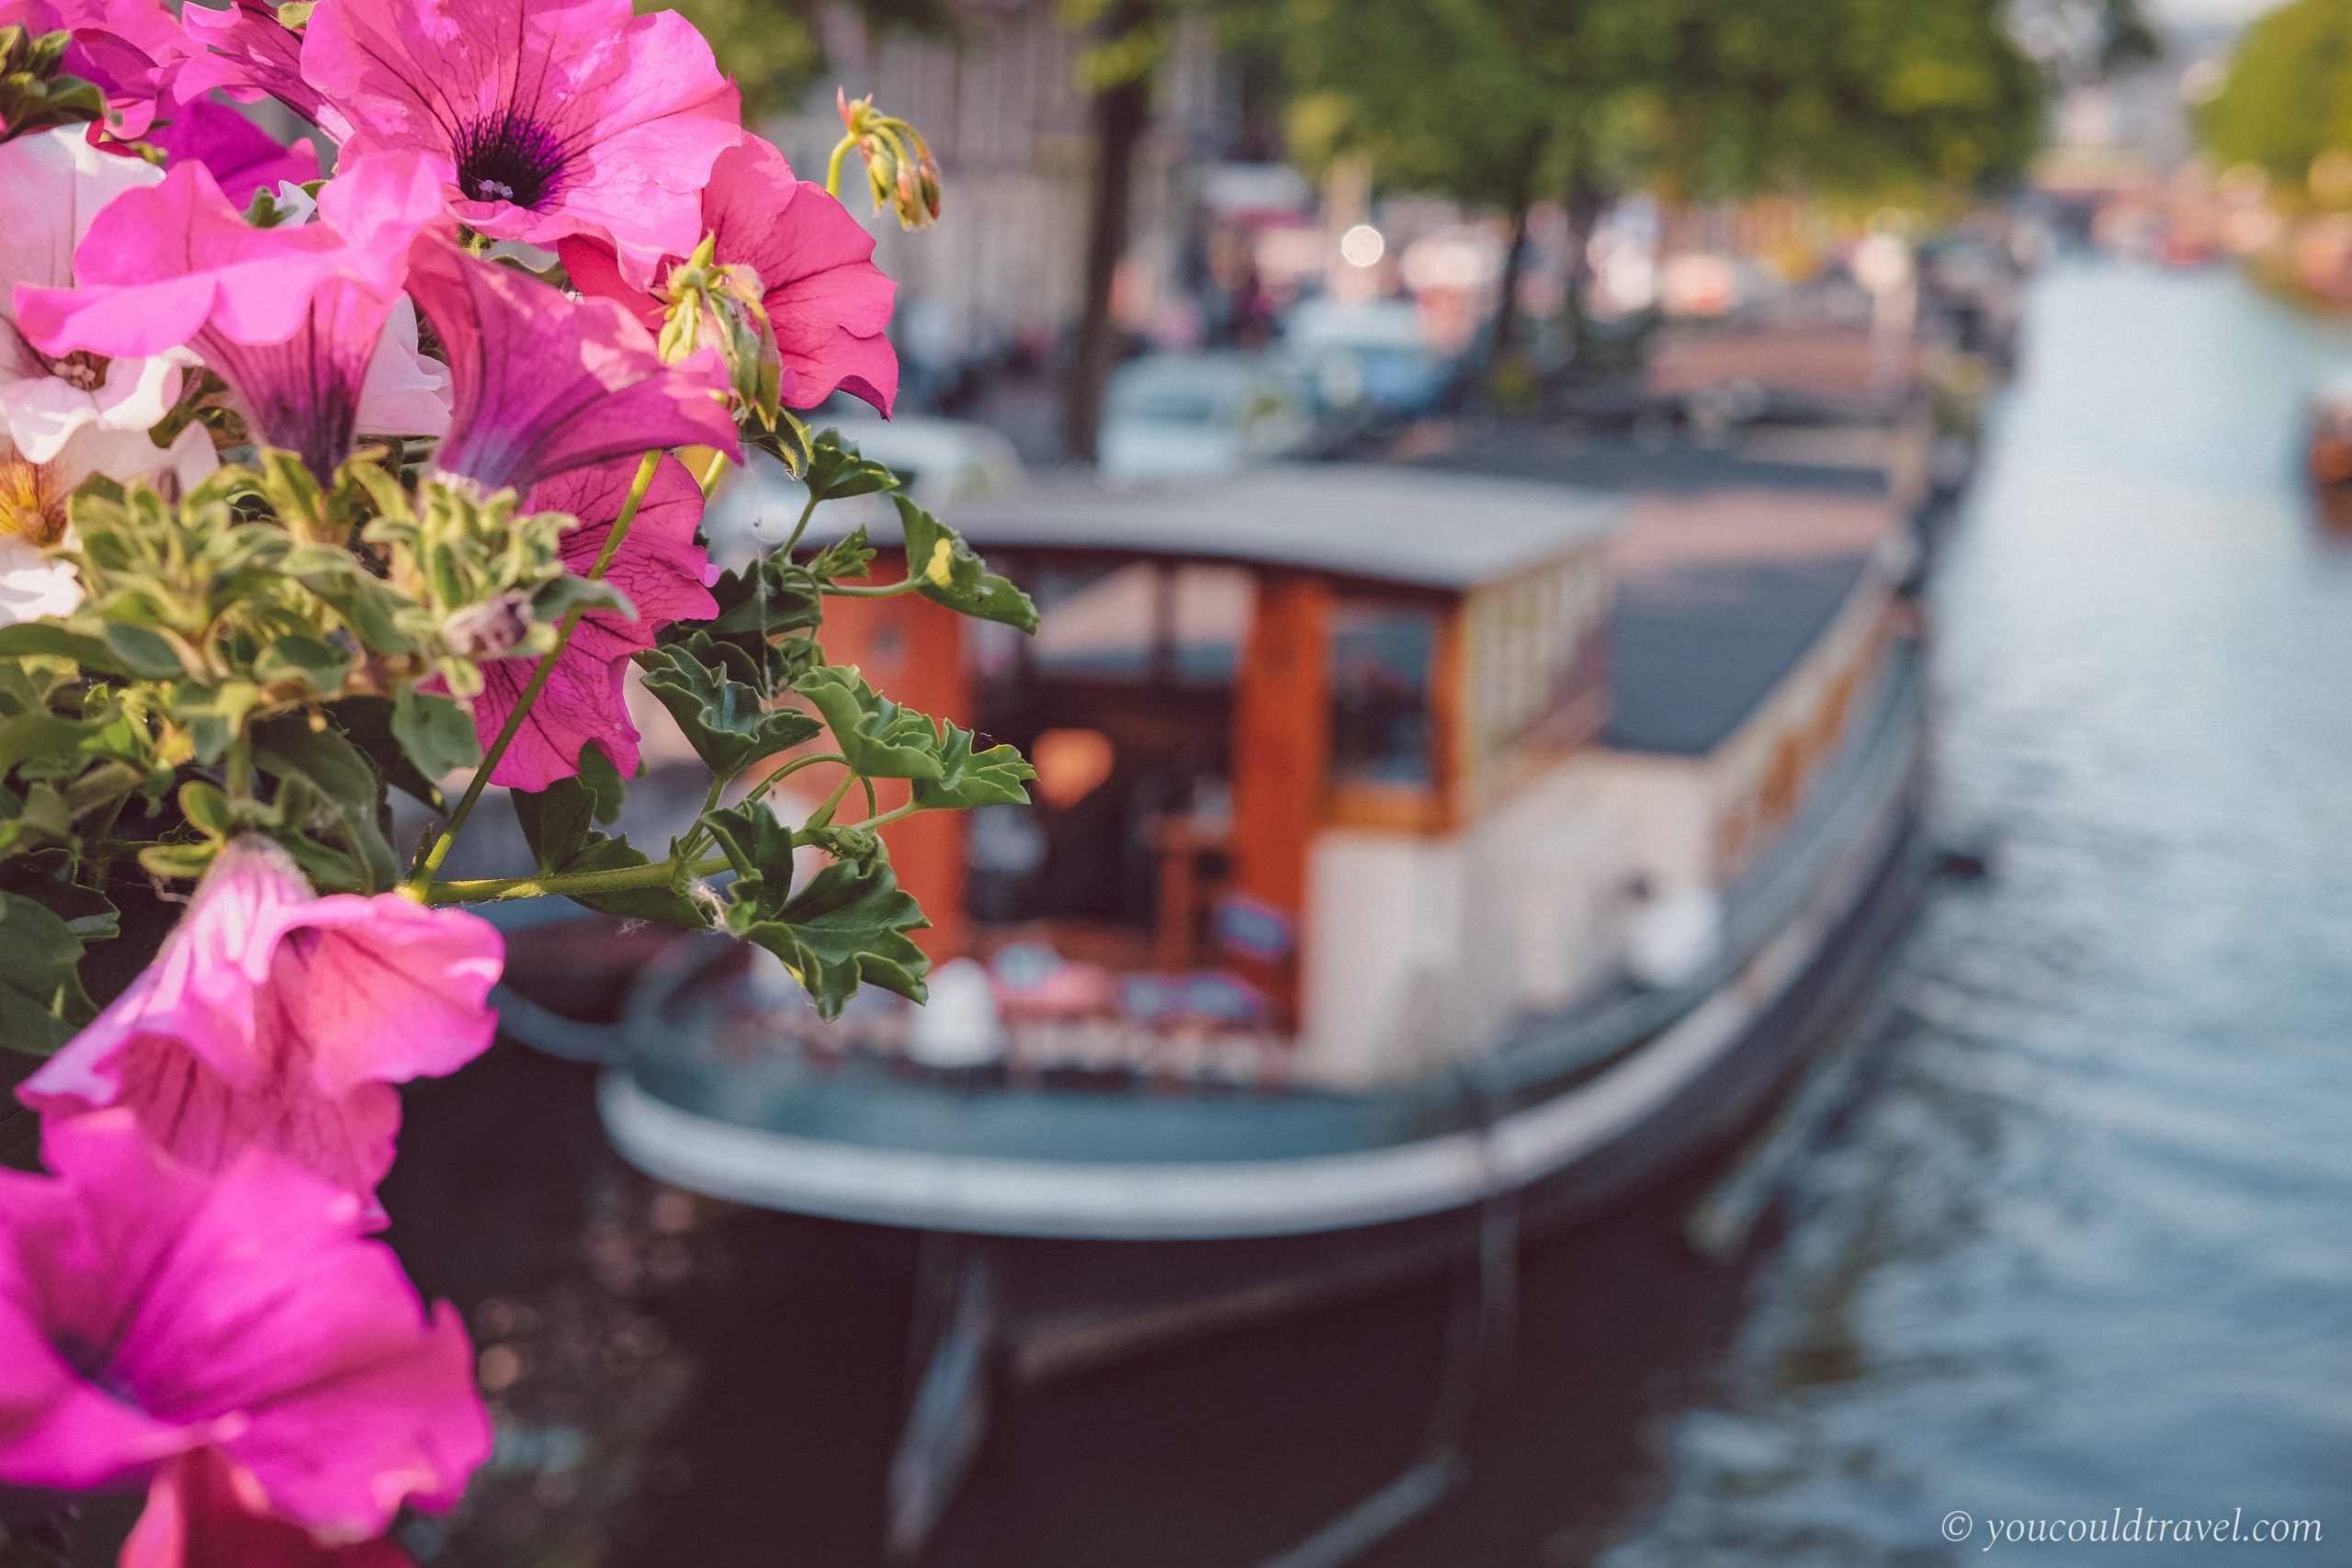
column 507, row 156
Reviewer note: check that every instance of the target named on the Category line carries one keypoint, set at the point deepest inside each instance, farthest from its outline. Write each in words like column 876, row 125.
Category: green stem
column 240, row 778
column 833, row 166
column 621, row 879
column 824, row 812
column 895, row 814
column 802, row 527
column 791, row 768
column 419, row 884
column 890, row 591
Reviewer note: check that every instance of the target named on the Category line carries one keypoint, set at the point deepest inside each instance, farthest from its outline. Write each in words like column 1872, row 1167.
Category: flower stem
column 888, row 591
column 418, row 886
column 621, row 879
column 833, row 166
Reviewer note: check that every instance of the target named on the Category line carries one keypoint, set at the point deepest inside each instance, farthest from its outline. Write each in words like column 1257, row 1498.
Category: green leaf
column 993, row 777
column 435, row 732
column 367, row 604
column 39, row 734
column 29, row 638
column 142, row 652
column 848, row 926
column 556, row 822
column 604, row 783
column 759, row 848
column 348, row 791
column 836, row 471
column 881, row 739
column 557, row 825
column 724, row 720
column 42, row 999
column 366, row 723
column 304, row 660
column 949, row 574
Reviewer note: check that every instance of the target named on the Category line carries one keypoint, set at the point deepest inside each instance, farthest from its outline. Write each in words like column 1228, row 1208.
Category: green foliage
column 270, row 654
column 848, row 926
column 881, row 739
column 967, row 778
column 774, row 49
column 1493, row 100
column 947, row 573
column 727, row 722
column 42, row 999
column 35, row 94
column 2288, row 97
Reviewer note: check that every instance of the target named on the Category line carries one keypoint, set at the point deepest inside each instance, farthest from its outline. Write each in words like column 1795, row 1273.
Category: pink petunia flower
column 291, row 317
column 561, row 116
column 245, row 51
column 544, row 384
column 241, row 156
column 276, row 1018
column 54, row 185
column 151, row 1311
column 828, row 302
column 664, row 572
column 201, row 1514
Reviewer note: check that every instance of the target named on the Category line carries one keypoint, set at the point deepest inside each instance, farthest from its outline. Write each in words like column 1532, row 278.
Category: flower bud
column 489, row 630
column 714, row 306
column 899, row 168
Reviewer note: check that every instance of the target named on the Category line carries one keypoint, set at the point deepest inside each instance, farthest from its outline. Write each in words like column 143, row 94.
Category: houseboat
column 1407, row 847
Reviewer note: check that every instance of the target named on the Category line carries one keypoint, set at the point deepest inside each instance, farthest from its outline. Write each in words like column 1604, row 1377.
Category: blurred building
column 1011, row 128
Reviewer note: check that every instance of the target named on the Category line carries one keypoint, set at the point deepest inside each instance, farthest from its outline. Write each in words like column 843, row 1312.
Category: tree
column 2288, row 97
column 774, row 50
column 1130, row 36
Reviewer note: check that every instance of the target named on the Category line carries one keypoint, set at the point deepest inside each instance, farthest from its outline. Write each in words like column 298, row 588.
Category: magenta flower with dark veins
column 828, row 304
column 543, row 383
column 290, row 317
column 244, row 51
column 665, row 574
column 178, row 1328
column 559, row 117
column 276, row 1018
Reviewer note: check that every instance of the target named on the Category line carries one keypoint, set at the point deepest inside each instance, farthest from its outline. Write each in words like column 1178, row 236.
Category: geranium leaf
column 725, row 721
column 993, row 777
column 881, row 739
column 949, row 573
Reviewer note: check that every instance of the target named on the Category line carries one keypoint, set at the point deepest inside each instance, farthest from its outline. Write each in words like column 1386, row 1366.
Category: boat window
column 1210, row 615
column 1381, row 661
column 1098, row 622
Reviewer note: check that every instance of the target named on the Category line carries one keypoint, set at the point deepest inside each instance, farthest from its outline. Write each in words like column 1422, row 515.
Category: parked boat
column 2328, row 452
column 1410, row 844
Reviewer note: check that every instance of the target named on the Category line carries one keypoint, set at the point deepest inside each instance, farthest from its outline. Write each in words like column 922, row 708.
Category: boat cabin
column 1335, row 779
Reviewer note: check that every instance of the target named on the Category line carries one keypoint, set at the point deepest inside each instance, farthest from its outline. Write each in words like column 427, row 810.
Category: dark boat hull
column 1062, row 1306
column 1293, row 1231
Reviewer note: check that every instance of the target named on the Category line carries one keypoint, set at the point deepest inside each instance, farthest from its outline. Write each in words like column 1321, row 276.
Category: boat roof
column 1389, row 525
column 1697, row 646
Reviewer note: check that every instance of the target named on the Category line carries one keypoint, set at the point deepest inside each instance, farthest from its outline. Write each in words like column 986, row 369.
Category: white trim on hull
column 1105, row 1200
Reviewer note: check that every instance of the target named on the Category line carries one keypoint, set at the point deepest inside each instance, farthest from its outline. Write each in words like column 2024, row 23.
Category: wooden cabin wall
column 1281, row 747
column 914, row 651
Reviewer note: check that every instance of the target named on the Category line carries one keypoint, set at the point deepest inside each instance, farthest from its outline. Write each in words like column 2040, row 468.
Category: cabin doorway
column 1124, row 701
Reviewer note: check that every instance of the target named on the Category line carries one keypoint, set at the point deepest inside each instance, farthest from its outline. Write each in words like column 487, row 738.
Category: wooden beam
column 1281, row 738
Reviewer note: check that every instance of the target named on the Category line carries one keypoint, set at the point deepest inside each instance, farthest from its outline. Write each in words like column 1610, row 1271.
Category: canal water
column 2079, row 1245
